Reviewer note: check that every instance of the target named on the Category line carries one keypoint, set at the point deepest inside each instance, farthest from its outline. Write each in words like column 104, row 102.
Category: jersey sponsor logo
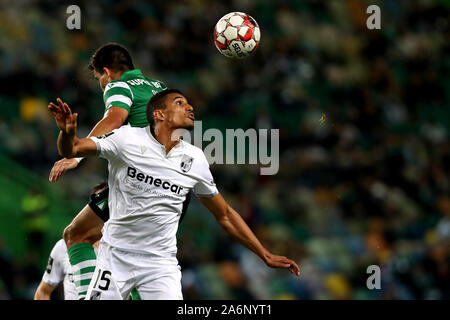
column 186, row 163
column 133, row 173
column 48, row 269
column 105, row 135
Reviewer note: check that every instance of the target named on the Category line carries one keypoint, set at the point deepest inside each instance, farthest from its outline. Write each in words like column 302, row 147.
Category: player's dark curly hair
column 113, row 56
column 158, row 101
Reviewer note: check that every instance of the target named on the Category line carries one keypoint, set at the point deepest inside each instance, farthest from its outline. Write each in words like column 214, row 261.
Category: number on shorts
column 105, row 276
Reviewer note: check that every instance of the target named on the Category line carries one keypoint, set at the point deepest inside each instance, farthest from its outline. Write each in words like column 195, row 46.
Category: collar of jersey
column 131, row 74
column 153, row 140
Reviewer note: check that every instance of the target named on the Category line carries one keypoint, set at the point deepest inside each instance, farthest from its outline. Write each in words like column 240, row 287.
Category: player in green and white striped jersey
column 126, row 92
column 132, row 92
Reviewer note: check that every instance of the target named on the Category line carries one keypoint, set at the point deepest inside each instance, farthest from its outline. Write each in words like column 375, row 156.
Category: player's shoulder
column 116, row 85
column 124, row 133
column 59, row 249
column 189, row 147
column 131, row 129
column 132, row 133
column 193, row 151
column 61, row 244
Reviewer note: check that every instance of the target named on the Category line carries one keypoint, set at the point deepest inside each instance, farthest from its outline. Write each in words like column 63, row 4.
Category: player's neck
column 166, row 137
column 118, row 74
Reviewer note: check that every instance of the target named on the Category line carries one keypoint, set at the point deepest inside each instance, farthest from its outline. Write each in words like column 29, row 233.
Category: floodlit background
column 370, row 185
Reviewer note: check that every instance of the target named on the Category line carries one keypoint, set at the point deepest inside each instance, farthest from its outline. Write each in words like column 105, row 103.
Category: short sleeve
column 118, row 94
column 54, row 272
column 205, row 186
column 108, row 145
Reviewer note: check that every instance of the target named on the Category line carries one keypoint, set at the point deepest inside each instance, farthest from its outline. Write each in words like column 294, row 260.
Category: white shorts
column 117, row 272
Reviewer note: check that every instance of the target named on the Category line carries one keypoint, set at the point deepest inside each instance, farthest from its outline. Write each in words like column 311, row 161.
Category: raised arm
column 113, row 118
column 69, row 145
column 233, row 223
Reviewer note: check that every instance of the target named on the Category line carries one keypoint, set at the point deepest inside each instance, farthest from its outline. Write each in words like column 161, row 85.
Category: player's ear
column 158, row 114
column 107, row 71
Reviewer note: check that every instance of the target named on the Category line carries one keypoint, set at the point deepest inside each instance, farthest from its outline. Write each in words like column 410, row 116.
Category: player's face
column 179, row 113
column 102, row 78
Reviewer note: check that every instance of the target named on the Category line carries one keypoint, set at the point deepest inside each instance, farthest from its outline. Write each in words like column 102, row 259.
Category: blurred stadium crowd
column 369, row 185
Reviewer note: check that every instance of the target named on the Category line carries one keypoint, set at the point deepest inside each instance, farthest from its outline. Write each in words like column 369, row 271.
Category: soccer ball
column 236, row 35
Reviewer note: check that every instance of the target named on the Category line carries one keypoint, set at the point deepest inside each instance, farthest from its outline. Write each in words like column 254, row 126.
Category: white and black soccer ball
column 236, row 35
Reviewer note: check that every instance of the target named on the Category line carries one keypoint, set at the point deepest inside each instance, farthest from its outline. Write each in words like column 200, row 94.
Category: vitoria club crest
column 186, row 163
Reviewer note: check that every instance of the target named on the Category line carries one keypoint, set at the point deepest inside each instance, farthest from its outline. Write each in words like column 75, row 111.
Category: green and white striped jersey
column 132, row 92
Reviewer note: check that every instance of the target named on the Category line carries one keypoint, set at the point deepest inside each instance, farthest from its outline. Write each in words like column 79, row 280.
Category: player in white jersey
column 150, row 174
column 58, row 270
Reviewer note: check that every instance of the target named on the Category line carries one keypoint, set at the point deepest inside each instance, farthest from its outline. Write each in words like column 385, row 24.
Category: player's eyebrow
column 178, row 97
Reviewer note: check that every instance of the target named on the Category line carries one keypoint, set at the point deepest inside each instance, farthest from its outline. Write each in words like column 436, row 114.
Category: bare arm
column 69, row 145
column 44, row 291
column 233, row 223
column 113, row 119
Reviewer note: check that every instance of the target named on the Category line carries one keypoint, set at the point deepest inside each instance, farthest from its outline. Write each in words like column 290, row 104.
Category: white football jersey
column 59, row 269
column 147, row 189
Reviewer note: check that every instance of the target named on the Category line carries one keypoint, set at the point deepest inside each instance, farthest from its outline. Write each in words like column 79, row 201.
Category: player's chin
column 188, row 124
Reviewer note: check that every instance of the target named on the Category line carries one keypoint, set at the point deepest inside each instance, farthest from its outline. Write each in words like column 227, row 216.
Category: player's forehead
column 173, row 97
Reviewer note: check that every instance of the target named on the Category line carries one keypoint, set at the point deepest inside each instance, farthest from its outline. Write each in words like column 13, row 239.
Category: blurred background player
column 58, row 270
column 138, row 248
column 125, row 93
